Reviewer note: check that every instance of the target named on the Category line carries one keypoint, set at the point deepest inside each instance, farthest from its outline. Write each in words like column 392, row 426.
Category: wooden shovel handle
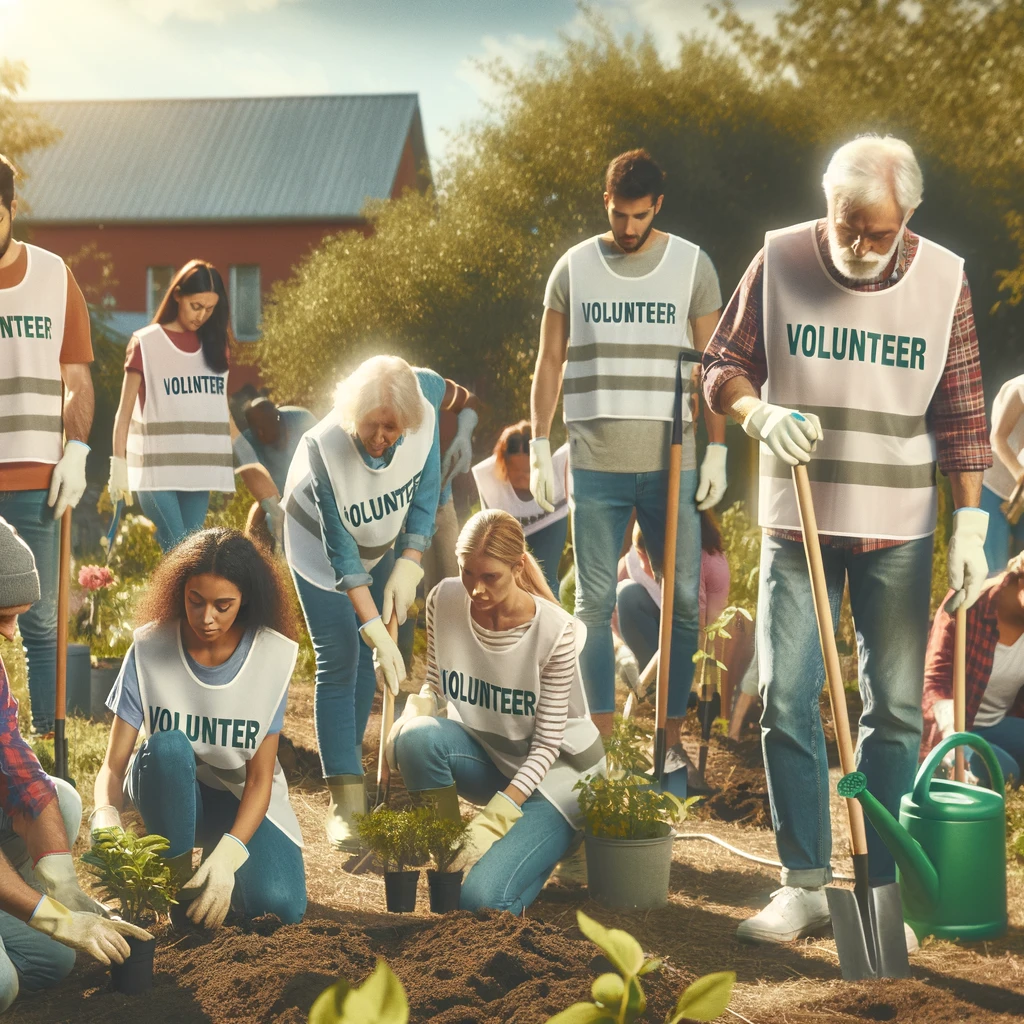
column 387, row 715
column 960, row 685
column 668, row 584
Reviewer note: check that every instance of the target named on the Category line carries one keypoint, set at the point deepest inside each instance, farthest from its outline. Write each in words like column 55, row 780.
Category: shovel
column 868, row 922
column 60, row 742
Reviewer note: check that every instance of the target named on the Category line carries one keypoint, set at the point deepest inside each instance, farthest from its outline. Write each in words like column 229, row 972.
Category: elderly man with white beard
column 850, row 346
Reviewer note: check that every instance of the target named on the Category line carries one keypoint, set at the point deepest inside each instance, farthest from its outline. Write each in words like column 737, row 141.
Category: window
column 158, row 280
column 245, row 301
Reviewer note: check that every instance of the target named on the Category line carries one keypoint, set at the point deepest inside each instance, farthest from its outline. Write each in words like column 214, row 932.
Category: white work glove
column 105, row 816
column 489, row 825
column 275, row 517
column 67, row 485
column 216, row 879
column 56, row 873
column 400, row 589
column 419, row 705
column 389, row 658
column 627, row 667
column 790, row 435
column 459, row 457
column 117, row 482
column 942, row 712
column 713, row 479
column 968, row 566
column 542, row 474
column 87, row 933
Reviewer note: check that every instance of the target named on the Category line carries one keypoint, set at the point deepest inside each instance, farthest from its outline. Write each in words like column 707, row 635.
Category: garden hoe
column 868, row 922
column 60, row 742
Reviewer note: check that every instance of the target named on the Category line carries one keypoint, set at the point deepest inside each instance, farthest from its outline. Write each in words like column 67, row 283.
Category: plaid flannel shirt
column 24, row 787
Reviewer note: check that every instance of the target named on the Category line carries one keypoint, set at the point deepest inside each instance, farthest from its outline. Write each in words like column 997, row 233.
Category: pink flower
column 95, row 577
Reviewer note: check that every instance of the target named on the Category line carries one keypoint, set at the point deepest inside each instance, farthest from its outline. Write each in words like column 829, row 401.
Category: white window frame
column 235, row 268
column 153, row 301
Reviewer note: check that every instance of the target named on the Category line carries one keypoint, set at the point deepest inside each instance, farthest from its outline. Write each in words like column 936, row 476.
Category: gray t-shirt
column 632, row 446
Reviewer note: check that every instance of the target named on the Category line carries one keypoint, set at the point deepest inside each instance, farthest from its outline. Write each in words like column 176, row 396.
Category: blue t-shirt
column 126, row 701
column 276, row 458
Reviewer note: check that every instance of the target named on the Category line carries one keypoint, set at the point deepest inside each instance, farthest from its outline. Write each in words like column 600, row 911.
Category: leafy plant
column 619, row 997
column 443, row 839
column 131, row 871
column 394, row 836
column 379, row 1000
column 709, row 668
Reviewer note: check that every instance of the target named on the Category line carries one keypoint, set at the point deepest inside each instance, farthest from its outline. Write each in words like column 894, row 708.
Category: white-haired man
column 850, row 345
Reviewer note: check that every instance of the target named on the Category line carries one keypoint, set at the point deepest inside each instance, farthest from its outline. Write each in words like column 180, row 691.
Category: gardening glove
column 389, row 658
column 275, row 517
column 627, row 667
column 87, row 933
column 790, row 435
column 67, row 485
column 542, row 474
column 942, row 712
column 117, row 482
column 968, row 566
column 105, row 816
column 400, row 589
column 712, row 477
column 459, row 457
column 216, row 879
column 56, row 873
column 493, row 822
column 419, row 705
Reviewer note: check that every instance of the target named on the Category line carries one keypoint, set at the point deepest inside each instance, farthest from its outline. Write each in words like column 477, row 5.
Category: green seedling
column 443, row 839
column 132, row 871
column 379, row 1000
column 394, row 836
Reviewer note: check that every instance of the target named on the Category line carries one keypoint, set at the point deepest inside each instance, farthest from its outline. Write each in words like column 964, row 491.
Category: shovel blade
column 876, row 948
column 855, row 955
column 890, row 934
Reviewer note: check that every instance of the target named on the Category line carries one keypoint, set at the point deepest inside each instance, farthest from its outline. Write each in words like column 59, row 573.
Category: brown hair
column 7, row 176
column 495, row 533
column 633, row 175
column 517, row 438
column 214, row 335
column 232, row 556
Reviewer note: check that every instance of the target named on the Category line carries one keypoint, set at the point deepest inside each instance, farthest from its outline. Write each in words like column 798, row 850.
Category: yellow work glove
column 542, row 474
column 56, row 873
column 216, row 879
column 87, row 933
column 400, row 589
column 490, row 824
column 389, row 658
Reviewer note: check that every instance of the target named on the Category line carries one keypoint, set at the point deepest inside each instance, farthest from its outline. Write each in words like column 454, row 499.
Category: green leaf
column 651, row 965
column 578, row 1013
column 706, row 998
column 330, row 1004
column 608, row 990
column 379, row 1000
column 620, row 947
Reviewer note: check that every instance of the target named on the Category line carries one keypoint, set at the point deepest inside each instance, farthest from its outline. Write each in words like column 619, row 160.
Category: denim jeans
column 601, row 507
column 547, row 546
column 162, row 785
column 29, row 514
column 639, row 620
column 433, row 753
column 1000, row 532
column 889, row 594
column 1006, row 738
column 176, row 514
column 345, row 678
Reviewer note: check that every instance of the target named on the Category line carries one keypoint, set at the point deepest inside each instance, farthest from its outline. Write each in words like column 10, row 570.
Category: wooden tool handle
column 668, row 582
column 960, row 685
column 827, row 636
column 63, row 589
column 387, row 713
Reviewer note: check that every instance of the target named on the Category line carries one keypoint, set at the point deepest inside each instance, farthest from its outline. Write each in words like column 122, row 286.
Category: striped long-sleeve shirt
column 556, row 679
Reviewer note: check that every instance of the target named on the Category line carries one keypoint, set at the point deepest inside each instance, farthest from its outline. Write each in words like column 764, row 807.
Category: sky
column 105, row 49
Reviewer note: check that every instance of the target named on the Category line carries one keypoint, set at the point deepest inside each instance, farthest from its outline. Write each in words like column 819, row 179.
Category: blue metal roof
column 291, row 158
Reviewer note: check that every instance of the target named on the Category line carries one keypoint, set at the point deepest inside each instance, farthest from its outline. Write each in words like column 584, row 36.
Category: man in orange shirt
column 46, row 409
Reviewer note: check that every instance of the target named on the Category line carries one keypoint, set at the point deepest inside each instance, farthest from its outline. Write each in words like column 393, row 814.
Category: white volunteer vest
column 225, row 724
column 494, row 694
column 373, row 503
column 625, row 334
column 998, row 478
column 31, row 334
column 181, row 440
column 498, row 493
column 867, row 364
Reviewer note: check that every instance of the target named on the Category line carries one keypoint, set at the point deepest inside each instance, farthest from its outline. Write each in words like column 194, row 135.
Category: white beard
column 868, row 267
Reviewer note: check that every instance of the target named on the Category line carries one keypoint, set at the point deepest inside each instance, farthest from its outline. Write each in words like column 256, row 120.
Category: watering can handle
column 923, row 782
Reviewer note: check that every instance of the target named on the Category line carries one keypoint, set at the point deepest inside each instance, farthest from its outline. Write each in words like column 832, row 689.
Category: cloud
column 515, row 50
column 210, row 11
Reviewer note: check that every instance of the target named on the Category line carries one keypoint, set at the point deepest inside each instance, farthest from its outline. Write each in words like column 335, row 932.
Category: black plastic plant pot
column 445, row 890
column 135, row 975
column 180, row 920
column 400, row 891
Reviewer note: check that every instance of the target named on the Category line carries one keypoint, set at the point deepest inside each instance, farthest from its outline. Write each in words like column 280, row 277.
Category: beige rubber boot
column 348, row 798
column 445, row 801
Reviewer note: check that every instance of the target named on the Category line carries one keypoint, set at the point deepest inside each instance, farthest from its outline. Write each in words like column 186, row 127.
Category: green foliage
column 442, row 838
column 741, row 542
column 1015, row 826
column 21, row 130
column 131, row 871
column 379, row 1000
column 394, row 836
column 709, row 668
column 230, row 510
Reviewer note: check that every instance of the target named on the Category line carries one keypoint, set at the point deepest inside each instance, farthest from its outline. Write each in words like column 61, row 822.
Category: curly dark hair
column 231, row 555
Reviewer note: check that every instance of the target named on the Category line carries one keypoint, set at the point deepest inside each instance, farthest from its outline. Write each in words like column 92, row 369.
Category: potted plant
column 394, row 836
column 628, row 825
column 443, row 839
column 131, row 871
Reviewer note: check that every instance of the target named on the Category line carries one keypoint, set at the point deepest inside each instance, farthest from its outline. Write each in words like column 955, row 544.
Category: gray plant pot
column 101, row 681
column 78, row 686
column 629, row 874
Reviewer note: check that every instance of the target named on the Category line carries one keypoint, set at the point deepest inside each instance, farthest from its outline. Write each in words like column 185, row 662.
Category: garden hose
column 742, row 853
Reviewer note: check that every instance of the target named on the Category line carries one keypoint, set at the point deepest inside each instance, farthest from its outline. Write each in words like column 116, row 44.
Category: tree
column 21, row 130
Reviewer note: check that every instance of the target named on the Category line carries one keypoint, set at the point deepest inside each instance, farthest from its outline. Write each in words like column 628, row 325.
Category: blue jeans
column 163, row 787
column 433, row 753
column 547, row 546
column 1000, row 532
column 639, row 620
column 1007, row 741
column 29, row 514
column 176, row 514
column 889, row 594
column 601, row 508
column 345, row 678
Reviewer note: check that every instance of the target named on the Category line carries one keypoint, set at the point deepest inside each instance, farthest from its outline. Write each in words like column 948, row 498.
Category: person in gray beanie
column 44, row 915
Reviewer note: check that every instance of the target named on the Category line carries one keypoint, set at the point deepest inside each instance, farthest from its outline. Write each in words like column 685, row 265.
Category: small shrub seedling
column 131, row 871
column 443, row 839
column 394, row 836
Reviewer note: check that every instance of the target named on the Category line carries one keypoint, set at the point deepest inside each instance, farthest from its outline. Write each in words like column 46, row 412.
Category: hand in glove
column 968, row 566
column 418, row 705
column 713, row 479
column 56, row 873
column 490, row 824
column 105, row 816
column 400, row 589
column 87, row 933
column 385, row 650
column 67, row 485
column 790, row 435
column 216, row 879
column 275, row 517
column 459, row 457
column 542, row 474
column 117, row 483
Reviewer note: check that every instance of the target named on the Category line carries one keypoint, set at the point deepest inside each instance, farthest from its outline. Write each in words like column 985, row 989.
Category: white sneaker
column 792, row 914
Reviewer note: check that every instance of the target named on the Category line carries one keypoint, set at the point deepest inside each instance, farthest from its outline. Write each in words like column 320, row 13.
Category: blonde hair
column 387, row 382
column 498, row 535
column 872, row 168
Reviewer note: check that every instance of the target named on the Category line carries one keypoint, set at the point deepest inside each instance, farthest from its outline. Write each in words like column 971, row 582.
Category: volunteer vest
column 181, row 440
column 494, row 694
column 998, row 479
column 373, row 503
column 625, row 334
column 498, row 493
column 225, row 724
column 867, row 364
column 31, row 335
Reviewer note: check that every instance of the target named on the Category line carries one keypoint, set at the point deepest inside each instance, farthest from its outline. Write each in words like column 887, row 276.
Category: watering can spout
column 918, row 874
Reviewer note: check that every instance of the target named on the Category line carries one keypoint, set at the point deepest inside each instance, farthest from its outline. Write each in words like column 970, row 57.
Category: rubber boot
column 348, row 798
column 445, row 801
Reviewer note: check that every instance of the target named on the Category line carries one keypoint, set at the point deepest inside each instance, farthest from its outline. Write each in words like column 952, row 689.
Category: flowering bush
column 95, row 577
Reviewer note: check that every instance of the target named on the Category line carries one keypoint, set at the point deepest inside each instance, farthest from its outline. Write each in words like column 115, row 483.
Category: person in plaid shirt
column 850, row 346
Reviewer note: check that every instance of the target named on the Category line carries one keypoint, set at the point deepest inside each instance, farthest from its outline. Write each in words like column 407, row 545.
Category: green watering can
column 949, row 846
